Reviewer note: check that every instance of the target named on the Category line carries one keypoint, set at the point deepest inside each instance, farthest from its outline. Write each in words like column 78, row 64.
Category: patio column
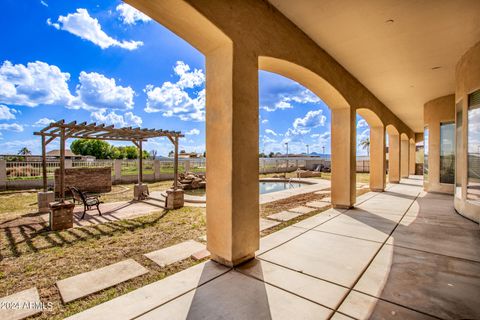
column 232, row 148
column 377, row 159
column 404, row 148
column 412, row 158
column 393, row 158
column 343, row 157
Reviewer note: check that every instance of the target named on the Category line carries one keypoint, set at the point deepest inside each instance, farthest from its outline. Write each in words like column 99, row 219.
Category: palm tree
column 365, row 144
column 24, row 151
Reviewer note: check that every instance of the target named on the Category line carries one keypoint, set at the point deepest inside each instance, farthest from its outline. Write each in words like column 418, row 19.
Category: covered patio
column 399, row 254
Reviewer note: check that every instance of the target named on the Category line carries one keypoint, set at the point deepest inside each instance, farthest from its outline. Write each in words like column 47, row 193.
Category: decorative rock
column 61, row 215
column 178, row 252
column 175, row 199
column 25, row 304
column 90, row 282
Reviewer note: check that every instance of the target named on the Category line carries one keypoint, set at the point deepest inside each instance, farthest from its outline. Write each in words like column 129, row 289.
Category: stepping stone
column 20, row 305
column 178, row 252
column 317, row 204
column 302, row 210
column 327, row 199
column 284, row 216
column 267, row 224
column 322, row 192
column 202, row 254
column 203, row 238
column 93, row 281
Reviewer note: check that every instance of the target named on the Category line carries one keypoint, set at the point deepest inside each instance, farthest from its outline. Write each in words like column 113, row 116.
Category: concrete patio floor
column 400, row 254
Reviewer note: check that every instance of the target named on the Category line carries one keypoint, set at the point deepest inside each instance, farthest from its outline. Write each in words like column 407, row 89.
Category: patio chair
column 88, row 201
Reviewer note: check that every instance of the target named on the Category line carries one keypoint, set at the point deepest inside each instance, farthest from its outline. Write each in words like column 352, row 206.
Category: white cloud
column 362, row 123
column 313, row 119
column 84, row 26
column 129, row 15
column 43, row 122
column 281, row 105
column 193, row 132
column 303, row 96
column 13, row 146
column 11, row 127
column 34, row 84
column 96, row 91
column 264, row 121
column 6, row 113
column 118, row 120
column 43, row 3
column 270, row 131
column 173, row 100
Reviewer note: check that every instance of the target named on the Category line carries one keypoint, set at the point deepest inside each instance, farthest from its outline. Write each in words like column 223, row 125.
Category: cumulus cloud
column 302, row 96
column 118, row 120
column 84, row 26
column 6, row 113
column 43, row 122
column 34, row 84
column 312, row 119
column 99, row 92
column 129, row 15
column 264, row 121
column 11, row 127
column 193, row 132
column 362, row 123
column 173, row 100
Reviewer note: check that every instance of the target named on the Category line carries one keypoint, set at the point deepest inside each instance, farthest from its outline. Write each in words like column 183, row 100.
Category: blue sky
column 106, row 62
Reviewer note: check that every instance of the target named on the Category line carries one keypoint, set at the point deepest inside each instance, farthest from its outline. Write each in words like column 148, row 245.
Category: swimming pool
column 264, row 187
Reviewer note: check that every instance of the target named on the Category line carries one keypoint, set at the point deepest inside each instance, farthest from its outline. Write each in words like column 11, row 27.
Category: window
column 447, row 155
column 458, row 148
column 473, row 148
column 425, row 154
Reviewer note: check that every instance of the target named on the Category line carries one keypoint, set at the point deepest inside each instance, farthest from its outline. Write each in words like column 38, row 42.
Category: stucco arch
column 404, row 136
column 391, row 130
column 370, row 116
column 307, row 78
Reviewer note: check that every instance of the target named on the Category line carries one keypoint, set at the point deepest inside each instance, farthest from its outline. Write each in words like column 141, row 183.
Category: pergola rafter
column 84, row 130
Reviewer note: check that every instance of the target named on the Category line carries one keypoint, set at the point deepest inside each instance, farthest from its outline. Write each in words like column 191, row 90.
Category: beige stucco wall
column 238, row 38
column 467, row 80
column 435, row 112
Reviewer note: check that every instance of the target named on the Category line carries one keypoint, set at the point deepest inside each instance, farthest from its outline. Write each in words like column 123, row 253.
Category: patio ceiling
column 405, row 52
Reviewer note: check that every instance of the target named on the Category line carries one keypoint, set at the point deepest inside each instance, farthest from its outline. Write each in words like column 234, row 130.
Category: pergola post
column 140, row 162
column 175, row 164
column 45, row 197
column 44, row 164
column 62, row 165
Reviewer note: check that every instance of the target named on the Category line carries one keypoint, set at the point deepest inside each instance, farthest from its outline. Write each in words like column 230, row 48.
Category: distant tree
column 204, row 154
column 171, row 154
column 365, row 144
column 262, row 155
column 153, row 154
column 24, row 152
column 271, row 154
column 103, row 150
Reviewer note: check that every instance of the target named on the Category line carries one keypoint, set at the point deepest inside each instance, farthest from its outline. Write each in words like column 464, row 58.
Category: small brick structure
column 61, row 215
column 308, row 174
column 175, row 199
column 94, row 180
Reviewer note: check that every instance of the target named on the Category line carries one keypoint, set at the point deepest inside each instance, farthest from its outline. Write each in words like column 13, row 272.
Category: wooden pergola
column 74, row 130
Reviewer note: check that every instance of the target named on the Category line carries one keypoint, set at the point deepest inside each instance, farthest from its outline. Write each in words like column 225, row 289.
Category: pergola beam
column 74, row 130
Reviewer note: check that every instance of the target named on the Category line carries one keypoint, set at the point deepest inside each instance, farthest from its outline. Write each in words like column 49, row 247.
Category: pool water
column 264, row 186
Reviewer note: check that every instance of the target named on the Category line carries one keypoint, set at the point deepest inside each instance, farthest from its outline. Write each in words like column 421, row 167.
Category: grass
column 42, row 257
column 31, row 255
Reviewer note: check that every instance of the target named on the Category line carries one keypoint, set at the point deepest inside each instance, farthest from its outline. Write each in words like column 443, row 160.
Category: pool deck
column 311, row 185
